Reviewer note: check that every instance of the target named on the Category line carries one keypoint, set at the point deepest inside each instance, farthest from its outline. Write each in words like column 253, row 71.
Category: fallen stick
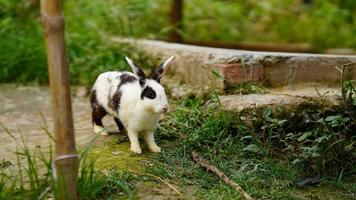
column 220, row 174
column 159, row 178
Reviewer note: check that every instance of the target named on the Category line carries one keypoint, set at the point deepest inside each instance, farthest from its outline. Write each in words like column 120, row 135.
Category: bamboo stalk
column 203, row 163
column 66, row 166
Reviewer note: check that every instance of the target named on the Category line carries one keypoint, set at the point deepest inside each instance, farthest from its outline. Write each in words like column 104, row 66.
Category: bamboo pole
column 176, row 21
column 66, row 161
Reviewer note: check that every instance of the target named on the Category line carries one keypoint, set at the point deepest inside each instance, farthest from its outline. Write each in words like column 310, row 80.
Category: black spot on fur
column 98, row 112
column 157, row 74
column 119, row 124
column 148, row 92
column 109, row 96
column 140, row 73
column 114, row 102
column 142, row 82
column 127, row 78
column 93, row 100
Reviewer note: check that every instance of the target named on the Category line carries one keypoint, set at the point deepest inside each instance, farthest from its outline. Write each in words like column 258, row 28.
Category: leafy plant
column 89, row 25
column 320, row 137
column 89, row 51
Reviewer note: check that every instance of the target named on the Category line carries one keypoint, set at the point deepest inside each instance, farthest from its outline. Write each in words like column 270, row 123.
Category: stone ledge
column 194, row 65
column 281, row 97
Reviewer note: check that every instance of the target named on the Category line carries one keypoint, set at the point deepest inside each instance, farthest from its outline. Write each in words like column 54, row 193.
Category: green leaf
column 296, row 161
column 320, row 139
column 321, row 120
column 281, row 122
column 304, row 136
column 267, row 112
column 252, row 148
column 217, row 74
column 315, row 155
column 332, row 118
column 349, row 147
column 246, row 137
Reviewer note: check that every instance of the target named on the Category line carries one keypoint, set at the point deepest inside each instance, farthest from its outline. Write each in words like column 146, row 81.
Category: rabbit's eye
column 149, row 93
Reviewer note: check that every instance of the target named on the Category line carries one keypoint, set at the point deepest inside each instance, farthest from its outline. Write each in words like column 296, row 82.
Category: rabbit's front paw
column 100, row 130
column 136, row 150
column 155, row 149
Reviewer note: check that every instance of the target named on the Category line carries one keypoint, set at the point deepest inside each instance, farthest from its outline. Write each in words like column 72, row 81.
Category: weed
column 93, row 184
column 33, row 177
column 245, row 88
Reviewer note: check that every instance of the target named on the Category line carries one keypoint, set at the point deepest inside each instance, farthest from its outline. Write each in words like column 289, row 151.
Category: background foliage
column 322, row 23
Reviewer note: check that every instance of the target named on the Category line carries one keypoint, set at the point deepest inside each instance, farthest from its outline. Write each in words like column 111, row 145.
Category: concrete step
column 284, row 97
column 194, row 65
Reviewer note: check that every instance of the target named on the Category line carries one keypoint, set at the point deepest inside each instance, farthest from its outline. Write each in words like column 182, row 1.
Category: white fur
column 132, row 65
column 100, row 130
column 139, row 116
column 165, row 64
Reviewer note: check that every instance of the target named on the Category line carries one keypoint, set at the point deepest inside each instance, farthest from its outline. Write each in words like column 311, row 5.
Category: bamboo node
column 66, row 156
column 62, row 157
column 52, row 23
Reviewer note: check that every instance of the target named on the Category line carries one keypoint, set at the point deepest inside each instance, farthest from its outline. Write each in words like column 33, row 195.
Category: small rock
column 308, row 182
column 115, row 153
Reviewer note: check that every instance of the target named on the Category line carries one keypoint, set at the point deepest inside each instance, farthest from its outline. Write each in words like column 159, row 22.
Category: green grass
column 218, row 137
column 256, row 160
column 94, row 184
column 260, row 177
column 32, row 176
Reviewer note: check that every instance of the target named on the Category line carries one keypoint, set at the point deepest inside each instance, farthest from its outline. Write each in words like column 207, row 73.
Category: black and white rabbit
column 134, row 100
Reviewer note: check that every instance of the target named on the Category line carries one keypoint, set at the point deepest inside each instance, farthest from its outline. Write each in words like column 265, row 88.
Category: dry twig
column 159, row 178
column 203, row 163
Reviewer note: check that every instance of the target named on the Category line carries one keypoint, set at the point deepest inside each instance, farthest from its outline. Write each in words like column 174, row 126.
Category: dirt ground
column 20, row 112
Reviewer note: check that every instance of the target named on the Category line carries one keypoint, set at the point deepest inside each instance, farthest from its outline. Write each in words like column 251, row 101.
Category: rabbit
column 136, row 102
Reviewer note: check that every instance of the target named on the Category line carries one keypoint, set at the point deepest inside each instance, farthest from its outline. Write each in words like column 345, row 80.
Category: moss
column 113, row 152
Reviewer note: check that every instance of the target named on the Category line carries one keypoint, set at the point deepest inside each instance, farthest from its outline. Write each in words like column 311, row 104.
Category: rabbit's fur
column 134, row 100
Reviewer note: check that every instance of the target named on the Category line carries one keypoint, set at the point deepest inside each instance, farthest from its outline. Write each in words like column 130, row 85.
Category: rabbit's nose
column 165, row 108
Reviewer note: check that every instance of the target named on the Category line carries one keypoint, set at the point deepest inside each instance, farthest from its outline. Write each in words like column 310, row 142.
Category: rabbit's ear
column 161, row 70
column 136, row 69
